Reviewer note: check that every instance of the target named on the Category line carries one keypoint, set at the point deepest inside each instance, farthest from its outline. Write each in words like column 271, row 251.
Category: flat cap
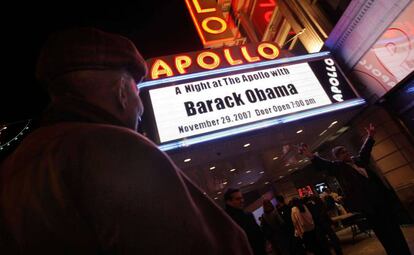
column 88, row 49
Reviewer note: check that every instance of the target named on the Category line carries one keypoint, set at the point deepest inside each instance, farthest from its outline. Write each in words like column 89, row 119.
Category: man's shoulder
column 91, row 137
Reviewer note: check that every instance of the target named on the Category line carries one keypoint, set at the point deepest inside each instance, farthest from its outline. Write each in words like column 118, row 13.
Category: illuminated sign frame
column 147, row 86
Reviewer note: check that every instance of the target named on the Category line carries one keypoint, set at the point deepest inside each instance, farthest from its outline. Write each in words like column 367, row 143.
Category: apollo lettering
column 210, row 60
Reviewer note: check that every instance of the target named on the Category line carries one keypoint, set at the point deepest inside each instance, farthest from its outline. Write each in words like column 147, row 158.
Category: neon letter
column 247, row 55
column 181, row 63
column 203, row 64
column 230, row 59
column 199, row 10
column 204, row 25
column 261, row 49
column 160, row 68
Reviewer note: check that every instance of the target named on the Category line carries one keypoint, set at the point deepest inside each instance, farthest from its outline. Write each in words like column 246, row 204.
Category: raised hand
column 304, row 150
column 370, row 130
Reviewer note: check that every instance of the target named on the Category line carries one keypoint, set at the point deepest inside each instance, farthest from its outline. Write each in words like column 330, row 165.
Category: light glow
column 247, row 55
column 230, row 69
column 333, row 123
column 182, row 62
column 230, row 59
column 261, row 49
column 201, row 10
column 160, row 68
column 205, row 26
column 208, row 54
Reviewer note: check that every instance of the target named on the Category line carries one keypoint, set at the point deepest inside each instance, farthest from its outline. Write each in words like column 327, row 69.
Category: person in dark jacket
column 295, row 244
column 323, row 223
column 85, row 182
column 274, row 230
column 365, row 191
column 234, row 203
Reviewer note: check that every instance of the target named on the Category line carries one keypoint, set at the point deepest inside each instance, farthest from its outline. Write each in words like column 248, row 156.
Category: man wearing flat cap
column 85, row 182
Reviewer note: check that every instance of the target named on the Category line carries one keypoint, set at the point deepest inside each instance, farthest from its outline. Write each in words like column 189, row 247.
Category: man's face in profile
column 344, row 155
column 136, row 107
column 237, row 200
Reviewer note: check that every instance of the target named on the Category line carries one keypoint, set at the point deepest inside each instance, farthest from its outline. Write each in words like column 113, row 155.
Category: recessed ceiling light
column 275, row 158
column 342, row 129
column 299, row 131
column 262, row 172
column 267, row 182
column 224, row 183
column 246, row 145
column 212, row 168
column 187, row 160
column 248, row 171
column 233, row 169
column 333, row 123
column 239, row 183
column 321, row 134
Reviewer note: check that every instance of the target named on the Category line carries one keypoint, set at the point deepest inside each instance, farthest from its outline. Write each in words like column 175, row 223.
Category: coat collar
column 77, row 110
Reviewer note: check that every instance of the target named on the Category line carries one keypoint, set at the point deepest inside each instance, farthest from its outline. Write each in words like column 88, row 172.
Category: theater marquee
column 202, row 106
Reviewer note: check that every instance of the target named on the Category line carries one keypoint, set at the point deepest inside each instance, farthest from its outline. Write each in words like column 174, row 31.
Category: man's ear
column 122, row 93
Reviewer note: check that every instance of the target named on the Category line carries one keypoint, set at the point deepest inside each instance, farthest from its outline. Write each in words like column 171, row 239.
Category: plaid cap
column 88, row 49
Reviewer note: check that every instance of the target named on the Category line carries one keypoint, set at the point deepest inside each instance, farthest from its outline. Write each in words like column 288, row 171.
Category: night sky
column 157, row 28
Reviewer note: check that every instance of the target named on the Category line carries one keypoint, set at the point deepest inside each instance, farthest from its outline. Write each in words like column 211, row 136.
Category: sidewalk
column 365, row 245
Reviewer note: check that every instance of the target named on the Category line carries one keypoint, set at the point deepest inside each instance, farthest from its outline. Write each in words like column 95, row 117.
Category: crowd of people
column 302, row 225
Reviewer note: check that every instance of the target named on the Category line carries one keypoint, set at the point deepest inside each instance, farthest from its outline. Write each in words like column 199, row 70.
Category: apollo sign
column 201, row 100
column 211, row 59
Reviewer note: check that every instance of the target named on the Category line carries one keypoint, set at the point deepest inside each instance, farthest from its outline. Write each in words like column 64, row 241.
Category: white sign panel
column 223, row 102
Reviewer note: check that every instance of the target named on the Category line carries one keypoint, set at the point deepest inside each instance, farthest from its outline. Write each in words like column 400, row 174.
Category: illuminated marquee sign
column 209, row 21
column 196, row 107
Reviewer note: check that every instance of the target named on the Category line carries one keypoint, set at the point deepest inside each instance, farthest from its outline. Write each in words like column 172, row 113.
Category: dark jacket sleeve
column 365, row 151
column 323, row 164
column 138, row 202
